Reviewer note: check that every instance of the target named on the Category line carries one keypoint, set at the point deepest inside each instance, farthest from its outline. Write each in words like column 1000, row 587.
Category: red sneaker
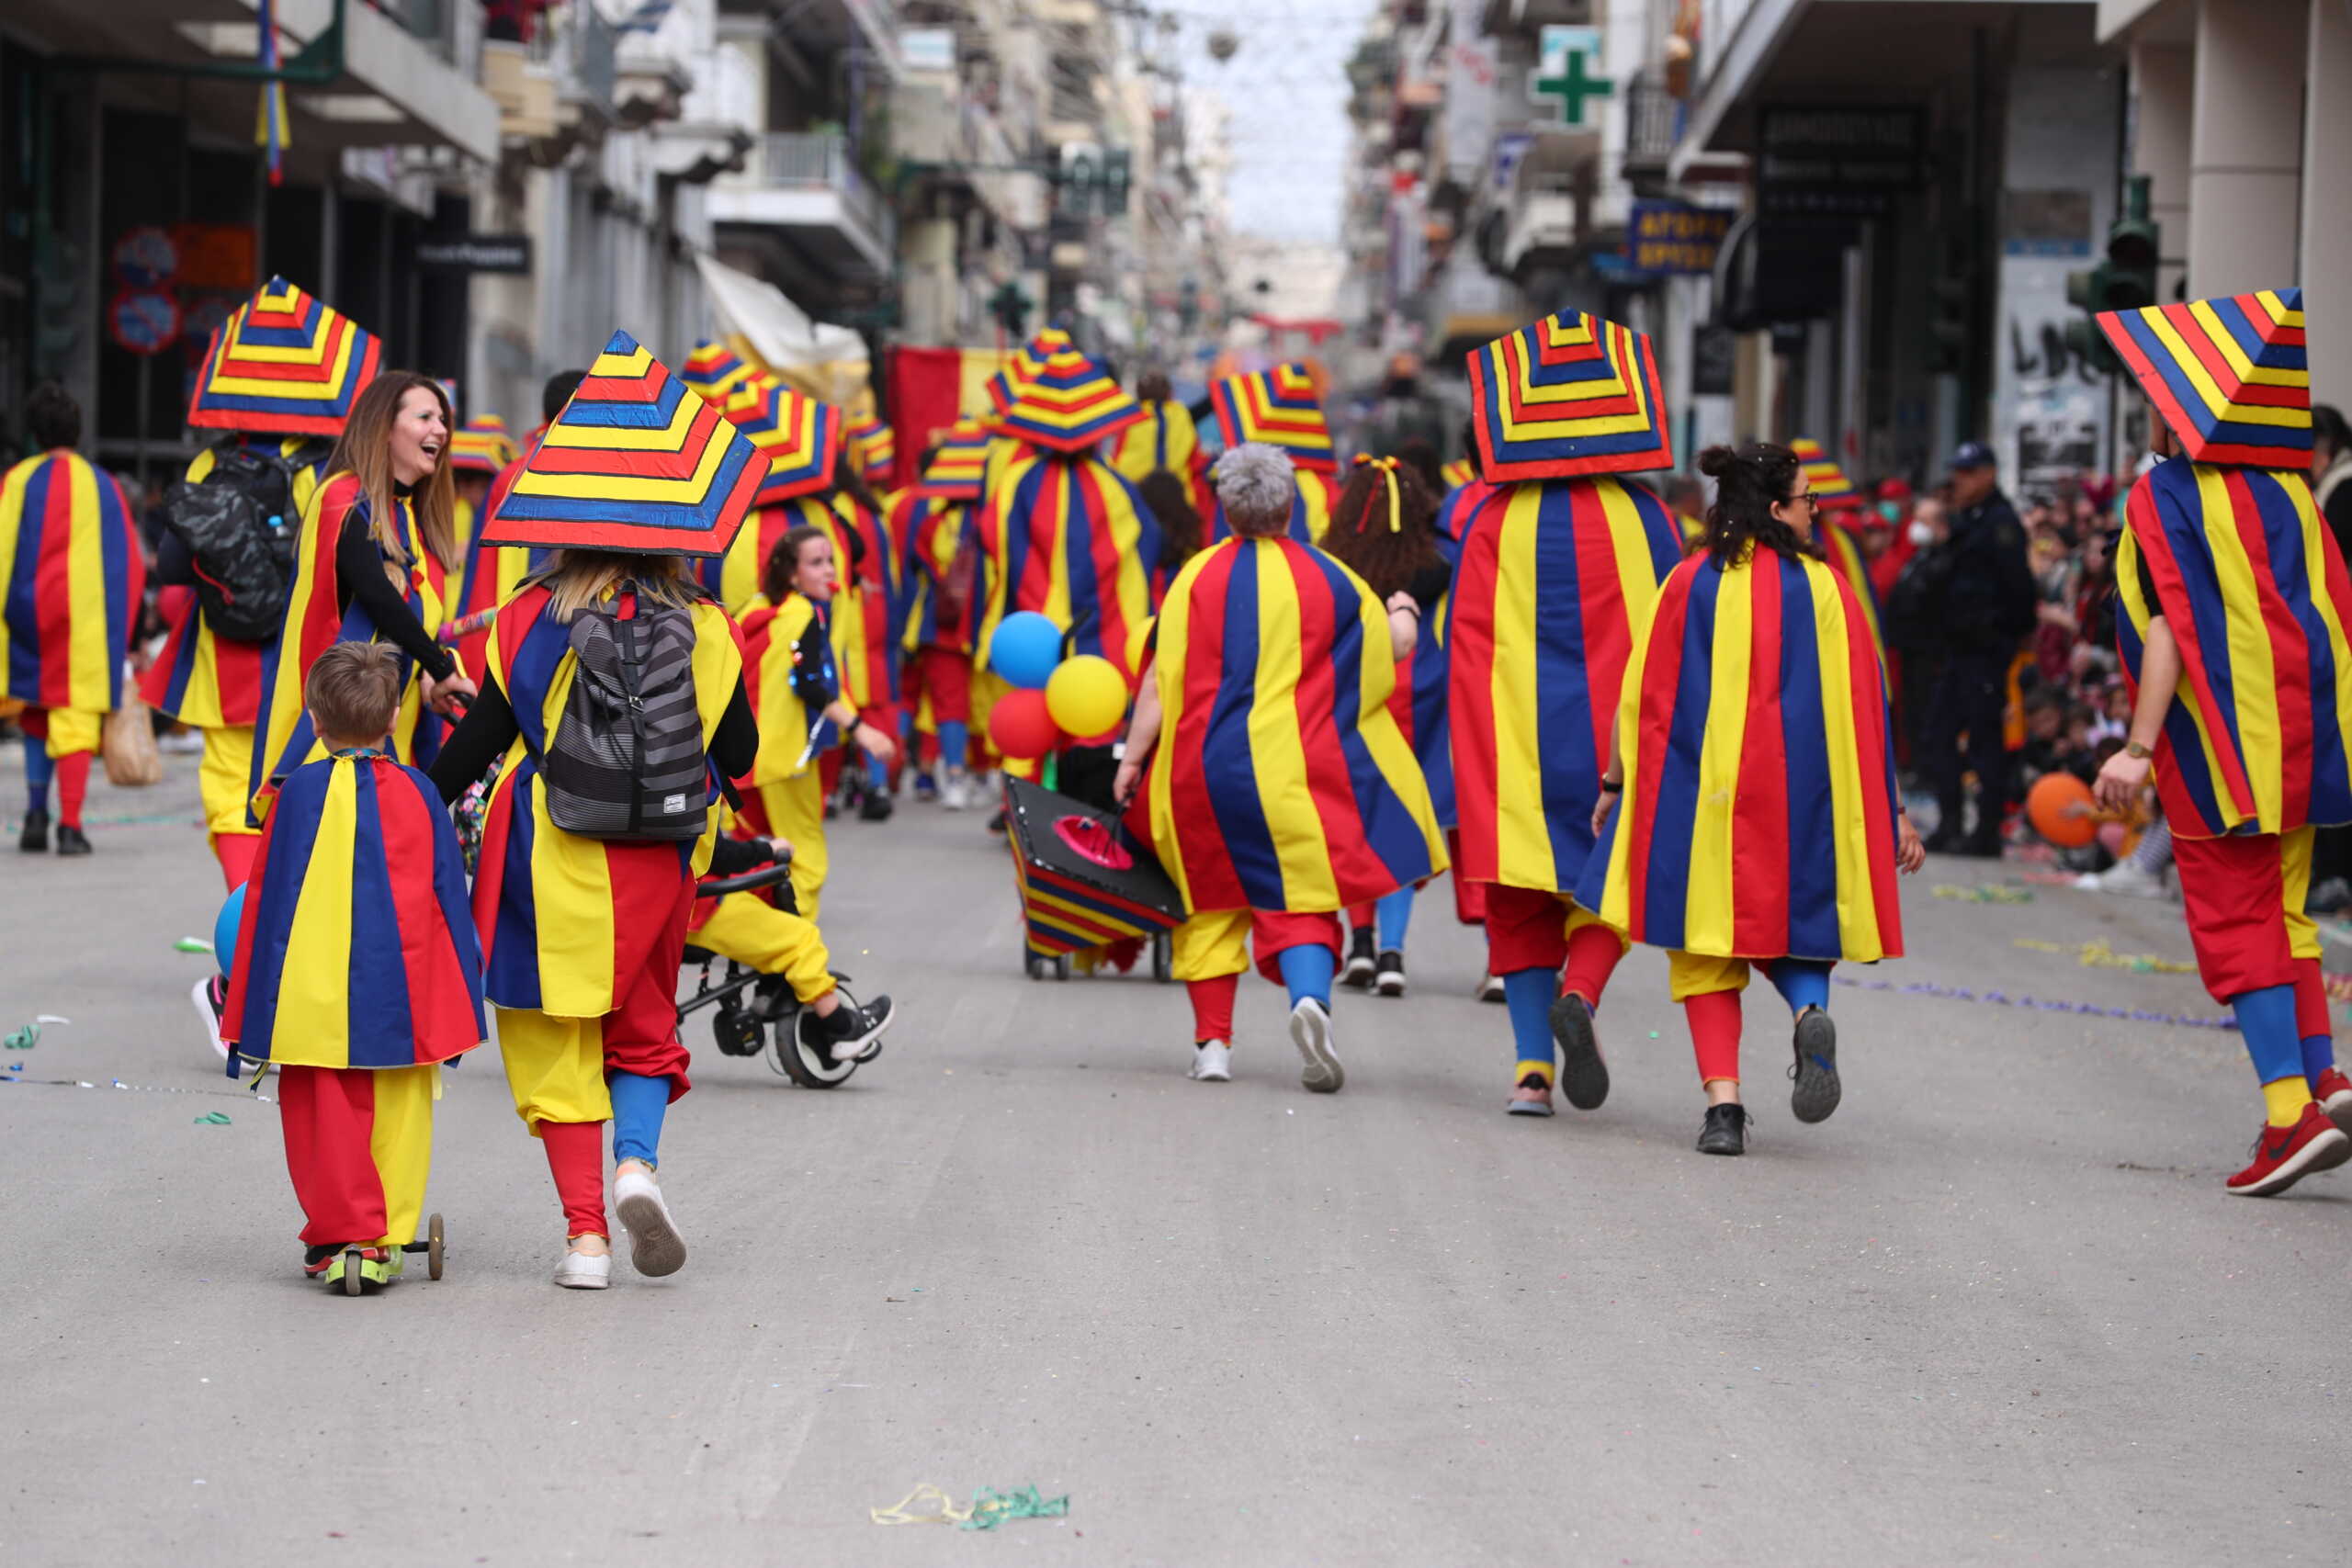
column 2334, row 1092
column 2284, row 1155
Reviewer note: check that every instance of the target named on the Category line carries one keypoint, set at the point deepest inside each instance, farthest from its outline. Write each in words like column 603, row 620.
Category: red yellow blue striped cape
column 1427, row 676
column 928, row 530
column 215, row 682
column 2248, row 578
column 1310, row 514
column 1555, row 583
column 357, row 948
column 1280, row 780
column 561, row 916
column 69, row 602
column 1844, row 553
column 284, row 741
column 772, row 635
column 1758, row 817
column 1167, row 439
column 1068, row 537
column 884, row 584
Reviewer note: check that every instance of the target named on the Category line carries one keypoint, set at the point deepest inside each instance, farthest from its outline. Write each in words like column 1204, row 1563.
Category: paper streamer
column 2039, row 1004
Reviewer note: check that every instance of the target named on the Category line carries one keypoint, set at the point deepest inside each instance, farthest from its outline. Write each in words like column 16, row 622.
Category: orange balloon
column 2059, row 808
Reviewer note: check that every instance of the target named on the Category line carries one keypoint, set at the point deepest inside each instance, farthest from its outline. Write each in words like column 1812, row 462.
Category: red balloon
column 1021, row 727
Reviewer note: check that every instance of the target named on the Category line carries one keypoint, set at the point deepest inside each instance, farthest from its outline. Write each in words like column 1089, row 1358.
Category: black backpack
column 241, row 526
column 626, row 759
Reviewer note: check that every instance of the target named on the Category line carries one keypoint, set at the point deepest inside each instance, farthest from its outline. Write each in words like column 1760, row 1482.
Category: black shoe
column 996, row 825
column 1816, row 1069
column 1390, row 979
column 875, row 807
column 1943, row 841
column 1584, row 1076
column 34, row 839
column 851, row 1033
column 1978, row 846
column 1724, row 1132
column 1357, row 973
column 71, row 841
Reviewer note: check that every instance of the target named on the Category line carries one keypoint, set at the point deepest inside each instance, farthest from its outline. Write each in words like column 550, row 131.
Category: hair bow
column 1387, row 466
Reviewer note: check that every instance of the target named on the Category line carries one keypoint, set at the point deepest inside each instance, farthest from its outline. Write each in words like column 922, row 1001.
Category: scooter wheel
column 354, row 1277
column 435, row 1253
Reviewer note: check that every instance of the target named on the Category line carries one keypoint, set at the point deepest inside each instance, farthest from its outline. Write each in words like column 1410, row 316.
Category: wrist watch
column 2134, row 750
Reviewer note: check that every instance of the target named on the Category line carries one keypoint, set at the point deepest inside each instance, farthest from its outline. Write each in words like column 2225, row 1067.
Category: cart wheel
column 1163, row 957
column 433, row 1251
column 1062, row 965
column 796, row 1058
column 1033, row 966
column 353, row 1279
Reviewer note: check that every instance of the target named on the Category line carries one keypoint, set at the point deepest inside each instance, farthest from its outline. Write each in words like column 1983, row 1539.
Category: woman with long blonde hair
column 378, row 546
column 582, row 936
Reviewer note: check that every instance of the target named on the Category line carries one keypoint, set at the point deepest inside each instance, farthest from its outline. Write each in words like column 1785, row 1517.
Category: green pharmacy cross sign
column 1568, row 70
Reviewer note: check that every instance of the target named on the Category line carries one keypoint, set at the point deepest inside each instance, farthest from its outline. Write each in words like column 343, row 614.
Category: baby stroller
column 757, row 1015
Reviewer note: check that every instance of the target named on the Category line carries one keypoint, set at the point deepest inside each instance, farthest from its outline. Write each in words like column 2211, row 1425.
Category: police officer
column 1982, row 608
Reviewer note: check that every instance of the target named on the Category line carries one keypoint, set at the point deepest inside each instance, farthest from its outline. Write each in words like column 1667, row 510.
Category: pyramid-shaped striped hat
column 1070, row 405
column 634, row 463
column 874, row 448
column 2228, row 375
column 959, row 466
column 800, row 438
column 282, row 364
column 1028, row 362
column 484, row 447
column 1822, row 474
column 1280, row 408
column 1570, row 394
column 715, row 370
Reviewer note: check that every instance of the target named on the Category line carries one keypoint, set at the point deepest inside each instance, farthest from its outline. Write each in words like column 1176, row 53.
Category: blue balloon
column 224, row 928
column 1026, row 647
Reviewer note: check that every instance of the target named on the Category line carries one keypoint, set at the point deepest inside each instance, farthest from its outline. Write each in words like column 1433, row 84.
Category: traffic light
column 2126, row 280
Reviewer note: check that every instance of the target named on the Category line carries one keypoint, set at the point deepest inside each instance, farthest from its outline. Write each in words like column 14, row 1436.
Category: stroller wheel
column 799, row 1058
column 737, row 1032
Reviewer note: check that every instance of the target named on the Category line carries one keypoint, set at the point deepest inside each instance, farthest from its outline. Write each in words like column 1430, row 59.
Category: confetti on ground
column 2099, row 956
column 214, row 1119
column 1986, row 893
column 191, row 944
column 2039, row 1004
column 249, row 1098
column 23, row 1039
column 929, row 1505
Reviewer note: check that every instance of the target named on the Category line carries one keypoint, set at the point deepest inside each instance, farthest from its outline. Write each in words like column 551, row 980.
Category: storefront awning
column 821, row 359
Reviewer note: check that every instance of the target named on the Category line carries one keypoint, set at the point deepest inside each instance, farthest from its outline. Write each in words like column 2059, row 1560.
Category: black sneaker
column 1358, row 971
column 211, row 997
column 1943, row 841
column 875, row 807
column 34, row 839
column 1724, row 1132
column 1390, row 979
column 1584, row 1076
column 72, row 841
column 1815, row 1068
column 996, row 825
column 851, row 1033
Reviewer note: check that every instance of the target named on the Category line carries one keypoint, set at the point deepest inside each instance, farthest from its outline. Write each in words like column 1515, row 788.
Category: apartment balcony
column 803, row 190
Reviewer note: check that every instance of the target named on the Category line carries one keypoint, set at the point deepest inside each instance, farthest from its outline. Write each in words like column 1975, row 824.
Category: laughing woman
column 378, row 543
column 1749, row 816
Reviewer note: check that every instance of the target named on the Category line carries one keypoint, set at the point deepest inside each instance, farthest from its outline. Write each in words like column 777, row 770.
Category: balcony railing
column 1652, row 123
column 805, row 159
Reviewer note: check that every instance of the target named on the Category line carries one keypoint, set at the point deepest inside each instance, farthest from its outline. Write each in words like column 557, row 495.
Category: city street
column 1998, row 1310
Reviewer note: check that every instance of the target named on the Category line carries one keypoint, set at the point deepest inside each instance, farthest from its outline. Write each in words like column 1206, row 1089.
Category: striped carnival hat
column 2228, row 375
column 715, row 370
column 1028, row 362
column 800, row 438
column 634, row 463
column 1570, row 394
column 483, row 446
column 1070, row 405
column 874, row 448
column 960, row 465
column 282, row 364
column 1828, row 481
column 1279, row 408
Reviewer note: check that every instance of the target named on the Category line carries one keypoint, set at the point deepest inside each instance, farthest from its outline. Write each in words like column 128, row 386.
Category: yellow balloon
column 1086, row 696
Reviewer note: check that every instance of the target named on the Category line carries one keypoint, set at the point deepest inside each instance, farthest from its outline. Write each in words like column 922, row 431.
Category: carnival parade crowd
column 493, row 731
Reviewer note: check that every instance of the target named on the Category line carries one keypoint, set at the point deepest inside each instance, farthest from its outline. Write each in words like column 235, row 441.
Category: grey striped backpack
column 625, row 760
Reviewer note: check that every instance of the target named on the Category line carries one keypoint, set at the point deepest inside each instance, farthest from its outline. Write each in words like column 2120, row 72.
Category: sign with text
column 1670, row 238
column 1847, row 159
column 475, row 253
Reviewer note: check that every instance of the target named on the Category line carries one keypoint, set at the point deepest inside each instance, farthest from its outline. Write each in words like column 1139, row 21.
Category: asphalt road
column 1997, row 1311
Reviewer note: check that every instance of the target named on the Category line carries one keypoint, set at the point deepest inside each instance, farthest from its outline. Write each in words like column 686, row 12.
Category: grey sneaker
column 1310, row 1031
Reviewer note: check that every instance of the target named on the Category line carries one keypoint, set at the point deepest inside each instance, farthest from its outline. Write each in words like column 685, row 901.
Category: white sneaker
column 1212, row 1061
column 579, row 1271
column 2127, row 880
column 1491, row 989
column 655, row 1247
column 1310, row 1031
column 952, row 794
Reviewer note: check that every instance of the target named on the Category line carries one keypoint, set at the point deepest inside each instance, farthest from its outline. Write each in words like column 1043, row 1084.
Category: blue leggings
column 1306, row 972
column 639, row 1104
column 38, row 771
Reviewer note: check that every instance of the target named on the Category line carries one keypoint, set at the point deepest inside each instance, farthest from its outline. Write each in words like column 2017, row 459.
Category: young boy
column 356, row 970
